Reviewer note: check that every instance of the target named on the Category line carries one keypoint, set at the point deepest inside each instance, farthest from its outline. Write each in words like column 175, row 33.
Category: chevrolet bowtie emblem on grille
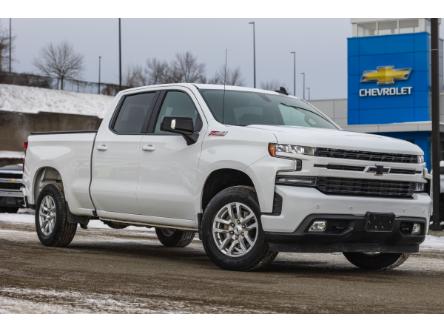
column 386, row 75
column 378, row 170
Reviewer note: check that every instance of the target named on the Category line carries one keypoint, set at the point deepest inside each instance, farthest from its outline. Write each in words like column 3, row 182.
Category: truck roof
column 204, row 86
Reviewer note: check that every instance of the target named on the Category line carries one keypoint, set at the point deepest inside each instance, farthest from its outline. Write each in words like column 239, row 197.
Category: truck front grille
column 15, row 175
column 365, row 155
column 10, row 186
column 365, row 187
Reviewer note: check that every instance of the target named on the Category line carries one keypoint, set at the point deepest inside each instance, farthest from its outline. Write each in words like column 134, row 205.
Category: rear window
column 133, row 113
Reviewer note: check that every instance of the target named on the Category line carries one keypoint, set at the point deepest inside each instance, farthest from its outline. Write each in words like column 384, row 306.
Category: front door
column 168, row 166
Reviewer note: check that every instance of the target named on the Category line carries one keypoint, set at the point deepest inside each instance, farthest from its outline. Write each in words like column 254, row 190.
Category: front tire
column 51, row 218
column 174, row 238
column 232, row 233
column 377, row 261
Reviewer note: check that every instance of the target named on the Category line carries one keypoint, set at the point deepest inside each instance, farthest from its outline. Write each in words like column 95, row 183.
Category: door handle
column 148, row 148
column 102, row 147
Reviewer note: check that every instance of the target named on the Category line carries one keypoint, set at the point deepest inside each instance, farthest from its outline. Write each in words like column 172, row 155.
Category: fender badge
column 217, row 133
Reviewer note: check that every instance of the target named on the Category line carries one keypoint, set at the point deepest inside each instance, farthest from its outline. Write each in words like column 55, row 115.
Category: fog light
column 295, row 180
column 416, row 229
column 318, row 226
column 419, row 187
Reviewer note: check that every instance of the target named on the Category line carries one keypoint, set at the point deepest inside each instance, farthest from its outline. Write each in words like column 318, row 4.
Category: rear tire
column 174, row 238
column 379, row 261
column 52, row 222
column 232, row 233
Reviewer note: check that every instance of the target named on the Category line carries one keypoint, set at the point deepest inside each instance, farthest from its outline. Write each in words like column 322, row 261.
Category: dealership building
column 388, row 82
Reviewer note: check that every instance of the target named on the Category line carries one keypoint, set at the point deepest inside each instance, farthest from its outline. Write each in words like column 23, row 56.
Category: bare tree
column 157, row 71
column 231, row 77
column 135, row 77
column 60, row 61
column 186, row 68
column 4, row 49
column 272, row 85
column 4, row 46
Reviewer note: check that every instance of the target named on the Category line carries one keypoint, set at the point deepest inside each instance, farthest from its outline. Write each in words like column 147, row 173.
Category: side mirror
column 180, row 125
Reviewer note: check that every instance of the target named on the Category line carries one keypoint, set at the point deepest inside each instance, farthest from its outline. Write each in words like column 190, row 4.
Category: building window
column 387, row 27
column 367, row 29
column 408, row 26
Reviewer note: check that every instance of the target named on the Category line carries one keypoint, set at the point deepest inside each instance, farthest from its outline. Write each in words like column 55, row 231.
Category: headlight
column 420, row 158
column 289, row 151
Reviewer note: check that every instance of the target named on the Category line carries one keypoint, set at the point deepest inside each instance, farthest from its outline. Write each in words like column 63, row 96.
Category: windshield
column 243, row 108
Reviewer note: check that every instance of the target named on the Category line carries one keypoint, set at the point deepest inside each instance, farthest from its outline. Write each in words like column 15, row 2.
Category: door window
column 177, row 104
column 133, row 113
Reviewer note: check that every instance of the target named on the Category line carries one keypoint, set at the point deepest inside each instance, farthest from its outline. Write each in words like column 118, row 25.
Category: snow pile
column 34, row 100
column 433, row 243
column 11, row 154
column 19, row 218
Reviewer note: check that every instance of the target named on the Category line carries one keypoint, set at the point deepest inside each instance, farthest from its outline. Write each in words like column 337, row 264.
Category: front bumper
column 11, row 199
column 351, row 237
column 300, row 204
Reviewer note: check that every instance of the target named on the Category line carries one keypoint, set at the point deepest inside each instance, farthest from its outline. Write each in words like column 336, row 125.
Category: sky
column 320, row 45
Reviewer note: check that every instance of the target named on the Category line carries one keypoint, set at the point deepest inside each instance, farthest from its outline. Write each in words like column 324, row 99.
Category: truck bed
column 69, row 153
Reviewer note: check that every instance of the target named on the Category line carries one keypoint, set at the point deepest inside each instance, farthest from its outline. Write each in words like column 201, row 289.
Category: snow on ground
column 11, row 154
column 433, row 243
column 25, row 216
column 29, row 300
column 34, row 100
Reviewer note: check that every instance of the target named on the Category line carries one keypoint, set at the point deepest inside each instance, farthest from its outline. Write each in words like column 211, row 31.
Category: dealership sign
column 388, row 79
column 385, row 75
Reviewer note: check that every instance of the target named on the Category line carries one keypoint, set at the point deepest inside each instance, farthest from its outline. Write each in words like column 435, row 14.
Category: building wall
column 16, row 126
column 336, row 109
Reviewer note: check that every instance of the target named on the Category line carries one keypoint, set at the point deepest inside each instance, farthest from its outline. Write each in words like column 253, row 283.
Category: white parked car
column 11, row 172
column 253, row 172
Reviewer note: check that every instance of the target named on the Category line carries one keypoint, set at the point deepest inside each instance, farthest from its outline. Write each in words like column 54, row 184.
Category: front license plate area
column 379, row 222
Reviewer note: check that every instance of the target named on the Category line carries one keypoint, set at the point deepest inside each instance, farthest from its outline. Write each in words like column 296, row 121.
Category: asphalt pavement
column 129, row 271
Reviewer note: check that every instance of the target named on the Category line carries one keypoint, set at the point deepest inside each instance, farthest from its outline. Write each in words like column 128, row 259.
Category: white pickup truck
column 253, row 172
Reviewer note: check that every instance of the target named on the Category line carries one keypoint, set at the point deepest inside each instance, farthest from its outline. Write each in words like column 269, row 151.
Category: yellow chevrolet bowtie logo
column 386, row 75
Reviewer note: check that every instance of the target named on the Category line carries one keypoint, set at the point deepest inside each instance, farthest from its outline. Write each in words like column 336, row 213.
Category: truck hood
column 339, row 139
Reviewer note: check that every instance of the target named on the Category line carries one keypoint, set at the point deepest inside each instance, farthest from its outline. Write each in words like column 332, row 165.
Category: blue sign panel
column 388, row 79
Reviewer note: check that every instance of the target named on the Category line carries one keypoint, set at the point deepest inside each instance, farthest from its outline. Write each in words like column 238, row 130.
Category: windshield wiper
column 299, row 108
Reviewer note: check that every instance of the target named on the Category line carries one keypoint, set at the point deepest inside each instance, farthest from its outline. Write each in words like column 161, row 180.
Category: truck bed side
column 69, row 154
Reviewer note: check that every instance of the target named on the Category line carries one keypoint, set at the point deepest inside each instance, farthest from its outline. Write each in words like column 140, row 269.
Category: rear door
column 117, row 152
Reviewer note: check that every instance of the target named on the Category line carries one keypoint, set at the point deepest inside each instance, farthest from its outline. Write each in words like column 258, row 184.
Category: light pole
column 10, row 45
column 309, row 93
column 436, row 149
column 100, row 74
column 254, row 52
column 303, row 85
column 294, row 72
column 120, row 53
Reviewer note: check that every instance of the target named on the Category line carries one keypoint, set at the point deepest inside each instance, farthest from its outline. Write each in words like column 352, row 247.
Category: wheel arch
column 44, row 176
column 221, row 179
